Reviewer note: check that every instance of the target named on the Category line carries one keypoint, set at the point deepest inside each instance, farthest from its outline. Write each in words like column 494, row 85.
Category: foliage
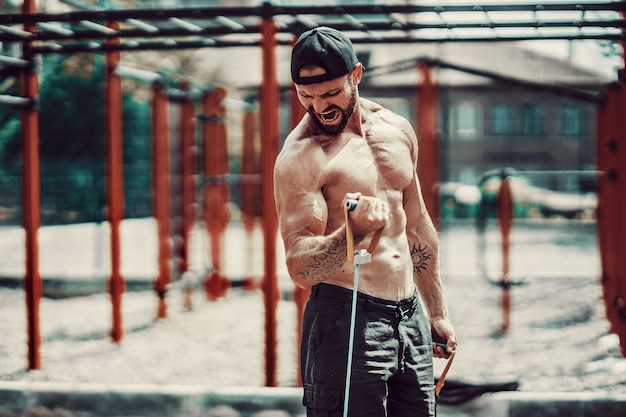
column 71, row 147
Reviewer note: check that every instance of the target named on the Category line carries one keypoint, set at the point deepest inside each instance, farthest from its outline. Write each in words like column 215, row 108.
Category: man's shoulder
column 376, row 109
column 298, row 141
column 299, row 148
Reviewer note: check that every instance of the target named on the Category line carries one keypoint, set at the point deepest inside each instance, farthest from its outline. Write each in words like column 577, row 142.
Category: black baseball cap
column 325, row 47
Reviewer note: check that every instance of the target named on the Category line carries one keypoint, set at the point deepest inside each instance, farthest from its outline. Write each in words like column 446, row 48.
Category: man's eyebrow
column 332, row 92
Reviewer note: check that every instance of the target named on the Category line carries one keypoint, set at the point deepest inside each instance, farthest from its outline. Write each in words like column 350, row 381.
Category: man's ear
column 357, row 73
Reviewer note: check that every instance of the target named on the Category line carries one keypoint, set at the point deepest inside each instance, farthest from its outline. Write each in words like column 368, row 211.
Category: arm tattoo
column 324, row 265
column 420, row 257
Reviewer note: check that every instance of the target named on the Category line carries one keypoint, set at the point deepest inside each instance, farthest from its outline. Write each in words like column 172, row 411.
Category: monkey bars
column 198, row 27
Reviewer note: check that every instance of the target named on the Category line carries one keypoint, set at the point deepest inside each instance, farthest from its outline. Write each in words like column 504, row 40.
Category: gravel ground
column 558, row 340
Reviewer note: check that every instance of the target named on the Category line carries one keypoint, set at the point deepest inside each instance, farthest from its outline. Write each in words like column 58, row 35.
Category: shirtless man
column 347, row 147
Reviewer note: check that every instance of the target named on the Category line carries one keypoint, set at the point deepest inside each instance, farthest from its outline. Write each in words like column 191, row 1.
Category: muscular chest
column 369, row 166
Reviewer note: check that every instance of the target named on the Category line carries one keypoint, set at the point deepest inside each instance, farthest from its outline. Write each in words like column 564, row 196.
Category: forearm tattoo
column 420, row 257
column 324, row 265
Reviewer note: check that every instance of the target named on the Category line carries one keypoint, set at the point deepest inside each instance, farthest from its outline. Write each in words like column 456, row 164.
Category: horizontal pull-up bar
column 9, row 61
column 556, row 89
column 19, row 34
column 139, row 74
column 171, row 44
column 269, row 10
column 374, row 23
column 16, row 101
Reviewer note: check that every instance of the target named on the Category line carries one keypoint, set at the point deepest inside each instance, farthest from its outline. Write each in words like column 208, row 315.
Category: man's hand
column 443, row 335
column 370, row 214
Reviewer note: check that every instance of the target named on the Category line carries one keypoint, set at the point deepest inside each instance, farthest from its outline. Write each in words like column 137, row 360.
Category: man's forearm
column 425, row 259
column 318, row 259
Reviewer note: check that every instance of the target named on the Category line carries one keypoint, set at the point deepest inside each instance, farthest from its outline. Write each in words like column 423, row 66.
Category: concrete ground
column 192, row 364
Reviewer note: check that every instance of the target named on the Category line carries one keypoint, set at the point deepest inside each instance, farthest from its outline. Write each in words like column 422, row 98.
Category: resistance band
column 442, row 378
column 358, row 257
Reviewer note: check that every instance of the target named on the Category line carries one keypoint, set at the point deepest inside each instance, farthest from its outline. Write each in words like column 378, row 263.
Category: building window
column 501, row 119
column 532, row 122
column 465, row 120
column 570, row 120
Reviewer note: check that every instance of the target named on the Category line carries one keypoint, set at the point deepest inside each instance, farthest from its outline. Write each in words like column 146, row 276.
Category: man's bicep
column 419, row 223
column 413, row 201
column 301, row 215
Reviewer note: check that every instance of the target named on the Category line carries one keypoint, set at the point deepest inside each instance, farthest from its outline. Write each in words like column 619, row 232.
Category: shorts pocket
column 321, row 398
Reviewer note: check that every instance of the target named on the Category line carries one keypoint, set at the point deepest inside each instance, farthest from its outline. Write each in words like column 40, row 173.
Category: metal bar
column 270, row 134
column 220, row 43
column 216, row 193
column 188, row 175
column 589, row 172
column 140, row 46
column 230, row 23
column 267, row 10
column 15, row 100
column 29, row 86
column 143, row 26
column 557, row 89
column 612, row 204
column 306, row 21
column 572, row 29
column 59, row 30
column 139, row 74
column 427, row 121
column 115, row 182
column 187, row 26
column 14, row 62
column 300, row 295
column 18, row 33
column 504, row 211
column 161, row 191
column 105, row 30
column 570, row 92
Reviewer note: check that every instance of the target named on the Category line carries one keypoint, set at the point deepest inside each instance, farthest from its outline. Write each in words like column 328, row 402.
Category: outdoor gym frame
column 268, row 26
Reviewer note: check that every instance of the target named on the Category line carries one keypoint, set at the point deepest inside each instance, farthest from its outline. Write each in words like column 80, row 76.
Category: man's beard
column 345, row 116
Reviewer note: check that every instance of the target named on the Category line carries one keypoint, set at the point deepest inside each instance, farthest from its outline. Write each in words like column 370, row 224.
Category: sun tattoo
column 420, row 257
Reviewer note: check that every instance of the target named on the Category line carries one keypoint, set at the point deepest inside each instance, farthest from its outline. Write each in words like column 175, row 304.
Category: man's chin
column 333, row 128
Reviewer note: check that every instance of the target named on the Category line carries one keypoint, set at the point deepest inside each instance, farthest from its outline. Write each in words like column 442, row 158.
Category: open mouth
column 329, row 116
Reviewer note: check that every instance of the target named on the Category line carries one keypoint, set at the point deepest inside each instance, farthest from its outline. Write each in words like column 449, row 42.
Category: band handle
column 348, row 207
column 442, row 378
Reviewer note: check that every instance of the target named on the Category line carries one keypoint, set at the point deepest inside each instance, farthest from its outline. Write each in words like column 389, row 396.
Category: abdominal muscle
column 387, row 276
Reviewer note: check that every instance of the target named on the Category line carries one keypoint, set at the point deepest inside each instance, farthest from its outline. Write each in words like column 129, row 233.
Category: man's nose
column 320, row 105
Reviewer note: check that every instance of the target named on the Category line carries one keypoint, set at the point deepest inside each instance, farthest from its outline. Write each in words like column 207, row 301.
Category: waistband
column 334, row 292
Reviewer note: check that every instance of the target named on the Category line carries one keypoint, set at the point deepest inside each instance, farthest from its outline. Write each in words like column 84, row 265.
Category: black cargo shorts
column 392, row 365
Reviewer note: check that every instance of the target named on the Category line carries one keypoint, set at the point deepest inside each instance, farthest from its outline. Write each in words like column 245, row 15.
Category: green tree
column 72, row 153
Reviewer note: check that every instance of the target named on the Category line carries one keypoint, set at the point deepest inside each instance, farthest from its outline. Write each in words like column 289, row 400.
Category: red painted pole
column 607, row 213
column 161, row 191
column 427, row 104
column 250, row 193
column 29, row 87
column 115, row 179
column 188, row 173
column 619, row 302
column 270, row 135
column 611, row 154
column 504, row 211
column 300, row 295
column 216, row 190
column 188, row 185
